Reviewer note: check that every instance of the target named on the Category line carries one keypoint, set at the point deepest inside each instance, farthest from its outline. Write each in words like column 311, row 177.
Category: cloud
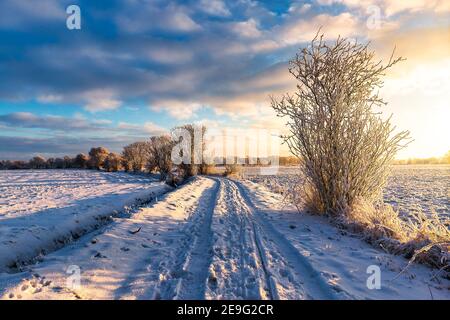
column 214, row 7
column 144, row 16
column 170, row 54
column 30, row 120
column 298, row 30
column 180, row 57
column 23, row 148
column 49, row 98
column 100, row 100
column 392, row 7
column 77, row 125
column 179, row 109
column 148, row 128
column 246, row 29
column 22, row 14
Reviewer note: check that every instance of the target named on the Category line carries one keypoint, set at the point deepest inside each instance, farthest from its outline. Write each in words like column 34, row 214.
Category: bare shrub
column 208, row 169
column 426, row 238
column 232, row 170
column 344, row 145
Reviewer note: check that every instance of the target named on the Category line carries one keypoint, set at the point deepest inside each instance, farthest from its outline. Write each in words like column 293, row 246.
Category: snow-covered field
column 216, row 238
column 41, row 210
column 410, row 187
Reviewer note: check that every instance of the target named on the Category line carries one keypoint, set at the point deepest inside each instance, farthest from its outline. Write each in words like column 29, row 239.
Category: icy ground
column 217, row 238
column 41, row 210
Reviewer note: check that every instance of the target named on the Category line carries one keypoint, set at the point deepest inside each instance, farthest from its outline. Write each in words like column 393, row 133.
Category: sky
column 137, row 68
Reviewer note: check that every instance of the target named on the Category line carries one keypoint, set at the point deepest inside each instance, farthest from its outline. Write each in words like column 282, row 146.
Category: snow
column 410, row 188
column 217, row 238
column 44, row 209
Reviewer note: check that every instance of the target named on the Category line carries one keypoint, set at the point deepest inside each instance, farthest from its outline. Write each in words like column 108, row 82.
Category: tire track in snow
column 186, row 279
column 235, row 271
column 314, row 285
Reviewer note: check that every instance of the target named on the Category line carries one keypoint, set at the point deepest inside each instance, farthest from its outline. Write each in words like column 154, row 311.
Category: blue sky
column 138, row 68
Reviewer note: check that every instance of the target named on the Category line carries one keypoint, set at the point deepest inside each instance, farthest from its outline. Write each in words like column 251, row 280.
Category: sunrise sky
column 138, row 68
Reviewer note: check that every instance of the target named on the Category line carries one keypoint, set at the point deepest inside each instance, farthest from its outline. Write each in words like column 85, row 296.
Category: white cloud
column 247, row 29
column 100, row 100
column 179, row 109
column 299, row 29
column 142, row 17
column 49, row 98
column 149, row 128
column 391, row 7
column 170, row 55
column 214, row 8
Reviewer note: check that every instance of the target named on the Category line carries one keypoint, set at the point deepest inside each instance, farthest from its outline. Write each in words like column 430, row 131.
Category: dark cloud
column 20, row 148
column 29, row 120
column 148, row 50
column 63, row 135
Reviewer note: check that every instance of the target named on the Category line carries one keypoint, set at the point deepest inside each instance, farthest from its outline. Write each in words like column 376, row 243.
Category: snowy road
column 251, row 259
column 216, row 238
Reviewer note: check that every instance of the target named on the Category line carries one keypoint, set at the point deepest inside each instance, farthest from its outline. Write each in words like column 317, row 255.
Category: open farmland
column 42, row 210
column 410, row 187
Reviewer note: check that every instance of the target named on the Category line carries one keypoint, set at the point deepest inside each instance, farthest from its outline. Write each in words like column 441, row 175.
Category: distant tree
column 81, row 161
column 59, row 163
column 113, row 162
column 160, row 154
column 136, row 156
column 68, row 162
column 447, row 158
column 5, row 165
column 19, row 165
column 197, row 162
column 37, row 162
column 345, row 146
column 97, row 157
column 50, row 163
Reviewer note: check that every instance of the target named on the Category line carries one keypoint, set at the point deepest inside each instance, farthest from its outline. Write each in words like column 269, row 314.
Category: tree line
column 153, row 155
column 433, row 160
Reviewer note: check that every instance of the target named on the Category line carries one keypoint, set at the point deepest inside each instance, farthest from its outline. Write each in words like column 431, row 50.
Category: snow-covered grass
column 411, row 188
column 343, row 258
column 211, row 238
column 414, row 222
column 41, row 210
column 216, row 238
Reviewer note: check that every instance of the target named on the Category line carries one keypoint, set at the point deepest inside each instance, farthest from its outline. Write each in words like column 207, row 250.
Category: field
column 410, row 187
column 132, row 237
column 43, row 209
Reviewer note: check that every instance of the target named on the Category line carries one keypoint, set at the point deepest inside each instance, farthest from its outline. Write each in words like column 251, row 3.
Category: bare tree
column 113, row 162
column 97, row 157
column 81, row 161
column 135, row 156
column 161, row 149
column 59, row 163
column 345, row 146
column 37, row 162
